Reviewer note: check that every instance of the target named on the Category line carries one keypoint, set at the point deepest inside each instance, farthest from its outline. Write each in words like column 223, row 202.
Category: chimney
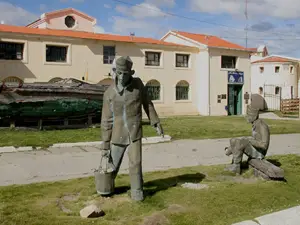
column 132, row 34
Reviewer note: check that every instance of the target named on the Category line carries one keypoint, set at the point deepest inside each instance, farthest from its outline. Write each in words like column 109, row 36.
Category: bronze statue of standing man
column 121, row 122
column 254, row 147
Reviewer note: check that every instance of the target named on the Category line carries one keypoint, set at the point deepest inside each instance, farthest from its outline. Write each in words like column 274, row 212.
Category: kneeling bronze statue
column 254, row 147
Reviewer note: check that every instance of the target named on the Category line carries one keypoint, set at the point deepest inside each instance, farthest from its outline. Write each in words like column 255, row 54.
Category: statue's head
column 252, row 114
column 123, row 69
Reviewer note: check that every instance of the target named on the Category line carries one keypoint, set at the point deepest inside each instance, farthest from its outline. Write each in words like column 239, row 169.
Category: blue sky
column 274, row 23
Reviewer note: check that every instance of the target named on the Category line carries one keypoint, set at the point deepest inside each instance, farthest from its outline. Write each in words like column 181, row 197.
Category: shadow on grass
column 274, row 162
column 154, row 186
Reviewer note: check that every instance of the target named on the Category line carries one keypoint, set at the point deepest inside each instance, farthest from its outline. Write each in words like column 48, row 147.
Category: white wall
column 283, row 79
column 202, row 85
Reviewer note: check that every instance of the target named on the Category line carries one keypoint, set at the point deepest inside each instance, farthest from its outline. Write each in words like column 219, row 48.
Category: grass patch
column 228, row 199
column 177, row 127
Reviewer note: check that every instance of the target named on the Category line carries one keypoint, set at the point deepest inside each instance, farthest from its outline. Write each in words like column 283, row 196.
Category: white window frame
column 189, row 100
column 161, row 94
column 25, row 50
column 236, row 62
column 189, row 61
column 161, row 62
column 59, row 44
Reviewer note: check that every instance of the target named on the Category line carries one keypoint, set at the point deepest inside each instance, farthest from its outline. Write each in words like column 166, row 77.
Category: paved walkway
column 273, row 116
column 289, row 216
column 74, row 162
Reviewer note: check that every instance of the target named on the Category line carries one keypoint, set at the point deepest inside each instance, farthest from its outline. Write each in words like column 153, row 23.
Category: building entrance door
column 235, row 99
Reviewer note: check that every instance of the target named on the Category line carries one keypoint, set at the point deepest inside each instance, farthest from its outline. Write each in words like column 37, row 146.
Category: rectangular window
column 291, row 70
column 277, row 69
column 261, row 69
column 109, row 53
column 228, row 62
column 56, row 53
column 152, row 59
column 182, row 60
column 11, row 50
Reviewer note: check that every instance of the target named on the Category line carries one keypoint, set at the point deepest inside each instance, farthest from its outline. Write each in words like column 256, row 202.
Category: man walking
column 121, row 122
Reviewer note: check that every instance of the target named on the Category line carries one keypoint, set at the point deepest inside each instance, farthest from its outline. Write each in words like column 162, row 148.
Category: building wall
column 202, row 74
column 284, row 78
column 219, row 78
column 82, row 23
column 87, row 56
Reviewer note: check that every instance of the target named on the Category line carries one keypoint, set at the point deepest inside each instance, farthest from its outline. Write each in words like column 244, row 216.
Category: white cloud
column 276, row 8
column 107, row 6
column 99, row 29
column 276, row 43
column 143, row 28
column 140, row 11
column 158, row 3
column 14, row 15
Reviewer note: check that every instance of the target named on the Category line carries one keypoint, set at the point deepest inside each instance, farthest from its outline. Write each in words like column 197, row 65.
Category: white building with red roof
column 275, row 77
column 223, row 73
column 185, row 73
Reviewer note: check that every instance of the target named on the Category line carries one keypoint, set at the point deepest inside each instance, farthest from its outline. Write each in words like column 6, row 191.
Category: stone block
column 91, row 211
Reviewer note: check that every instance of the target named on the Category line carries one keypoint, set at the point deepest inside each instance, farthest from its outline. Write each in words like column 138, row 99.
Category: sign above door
column 235, row 77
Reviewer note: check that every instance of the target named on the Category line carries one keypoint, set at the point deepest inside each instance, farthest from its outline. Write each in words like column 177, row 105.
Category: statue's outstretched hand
column 105, row 153
column 105, row 149
column 159, row 129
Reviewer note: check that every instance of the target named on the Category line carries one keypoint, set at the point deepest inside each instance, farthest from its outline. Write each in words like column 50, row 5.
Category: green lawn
column 228, row 199
column 177, row 127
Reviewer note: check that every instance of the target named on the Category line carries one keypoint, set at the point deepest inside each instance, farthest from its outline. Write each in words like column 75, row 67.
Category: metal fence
column 272, row 96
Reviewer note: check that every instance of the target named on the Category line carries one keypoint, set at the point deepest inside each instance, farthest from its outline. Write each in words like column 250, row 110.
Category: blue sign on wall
column 235, row 77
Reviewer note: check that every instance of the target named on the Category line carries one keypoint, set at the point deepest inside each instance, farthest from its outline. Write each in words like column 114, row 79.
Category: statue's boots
column 234, row 168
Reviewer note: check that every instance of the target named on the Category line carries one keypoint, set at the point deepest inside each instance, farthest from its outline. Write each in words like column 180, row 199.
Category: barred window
column 55, row 79
column 182, row 60
column 109, row 53
column 56, row 53
column 153, row 89
column 11, row 50
column 228, row 62
column 152, row 59
column 12, row 80
column 182, row 90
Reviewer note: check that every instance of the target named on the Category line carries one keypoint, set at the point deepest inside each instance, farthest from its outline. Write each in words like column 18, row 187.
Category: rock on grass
column 91, row 211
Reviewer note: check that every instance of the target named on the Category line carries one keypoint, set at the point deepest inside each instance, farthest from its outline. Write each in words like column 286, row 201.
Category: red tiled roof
column 62, row 12
column 252, row 49
column 209, row 40
column 83, row 35
column 274, row 59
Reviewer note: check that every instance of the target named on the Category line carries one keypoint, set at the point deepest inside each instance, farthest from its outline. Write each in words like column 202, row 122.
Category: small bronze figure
column 121, row 122
column 254, row 147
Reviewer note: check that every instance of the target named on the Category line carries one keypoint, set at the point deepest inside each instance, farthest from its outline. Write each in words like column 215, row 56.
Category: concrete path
column 273, row 116
column 289, row 216
column 74, row 162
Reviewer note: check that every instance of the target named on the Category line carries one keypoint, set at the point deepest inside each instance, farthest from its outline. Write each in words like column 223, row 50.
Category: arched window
column 106, row 82
column 12, row 80
column 277, row 90
column 55, row 79
column 182, row 90
column 153, row 89
column 260, row 90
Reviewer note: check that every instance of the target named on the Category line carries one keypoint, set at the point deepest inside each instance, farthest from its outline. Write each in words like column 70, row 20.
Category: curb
column 146, row 140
